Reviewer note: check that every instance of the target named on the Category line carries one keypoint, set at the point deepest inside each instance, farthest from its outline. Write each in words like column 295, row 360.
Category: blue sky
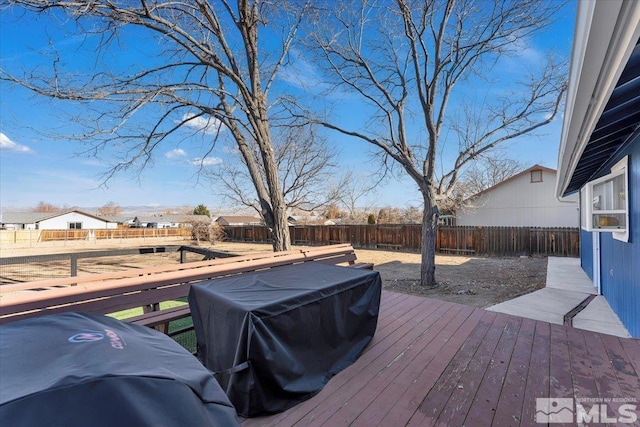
column 36, row 166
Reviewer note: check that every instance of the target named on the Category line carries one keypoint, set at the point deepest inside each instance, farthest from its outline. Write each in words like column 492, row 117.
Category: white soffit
column 606, row 33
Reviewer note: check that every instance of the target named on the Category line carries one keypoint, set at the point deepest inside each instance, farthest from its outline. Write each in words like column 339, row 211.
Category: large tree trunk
column 280, row 232
column 279, row 226
column 276, row 221
column 428, row 242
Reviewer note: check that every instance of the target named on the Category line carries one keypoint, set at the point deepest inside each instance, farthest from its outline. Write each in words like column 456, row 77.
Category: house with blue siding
column 599, row 156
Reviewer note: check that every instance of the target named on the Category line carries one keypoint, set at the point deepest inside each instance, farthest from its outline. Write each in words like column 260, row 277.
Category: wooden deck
column 438, row 363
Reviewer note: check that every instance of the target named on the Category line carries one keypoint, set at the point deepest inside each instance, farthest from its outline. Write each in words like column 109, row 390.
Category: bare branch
column 212, row 67
column 305, row 164
column 406, row 62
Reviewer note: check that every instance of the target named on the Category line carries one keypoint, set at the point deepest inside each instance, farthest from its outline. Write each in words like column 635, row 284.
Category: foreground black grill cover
column 285, row 331
column 76, row 369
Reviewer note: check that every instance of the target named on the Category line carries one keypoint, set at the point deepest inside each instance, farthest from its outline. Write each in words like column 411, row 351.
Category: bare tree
column 353, row 192
column 45, row 207
column 421, row 68
column 411, row 215
column 482, row 174
column 211, row 232
column 306, row 171
column 211, row 71
column 389, row 215
column 110, row 209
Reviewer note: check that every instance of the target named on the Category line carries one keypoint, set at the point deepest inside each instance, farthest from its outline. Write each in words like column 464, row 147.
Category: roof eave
column 604, row 39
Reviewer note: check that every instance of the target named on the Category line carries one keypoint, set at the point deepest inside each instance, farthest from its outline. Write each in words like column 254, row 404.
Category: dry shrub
column 206, row 231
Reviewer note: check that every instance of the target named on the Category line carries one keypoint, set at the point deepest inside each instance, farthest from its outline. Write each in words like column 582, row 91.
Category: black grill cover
column 276, row 337
column 76, row 369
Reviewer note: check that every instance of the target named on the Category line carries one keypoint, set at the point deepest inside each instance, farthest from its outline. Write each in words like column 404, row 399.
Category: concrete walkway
column 567, row 286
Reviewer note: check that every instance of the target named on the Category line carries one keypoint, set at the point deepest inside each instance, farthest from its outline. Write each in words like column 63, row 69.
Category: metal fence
column 486, row 241
column 185, row 335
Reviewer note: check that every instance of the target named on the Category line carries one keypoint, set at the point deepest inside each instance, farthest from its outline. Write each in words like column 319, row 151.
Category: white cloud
column 305, row 75
column 302, row 74
column 559, row 117
column 209, row 161
column 176, row 153
column 523, row 58
column 531, row 55
column 6, row 144
column 209, row 125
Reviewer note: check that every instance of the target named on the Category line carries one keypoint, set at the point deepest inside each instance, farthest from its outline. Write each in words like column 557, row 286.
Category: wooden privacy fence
column 488, row 241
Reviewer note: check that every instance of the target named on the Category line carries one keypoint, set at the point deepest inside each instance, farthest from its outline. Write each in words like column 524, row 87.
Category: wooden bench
column 458, row 251
column 112, row 292
column 388, row 246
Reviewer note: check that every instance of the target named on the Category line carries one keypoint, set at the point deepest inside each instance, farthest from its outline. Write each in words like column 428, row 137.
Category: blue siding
column 620, row 263
column 586, row 252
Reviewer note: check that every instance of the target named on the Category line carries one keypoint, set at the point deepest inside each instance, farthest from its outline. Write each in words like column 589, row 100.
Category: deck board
column 384, row 375
column 487, row 395
column 377, row 374
column 603, row 373
column 438, row 363
column 560, row 378
column 417, row 356
column 584, row 383
column 621, row 363
column 407, row 402
column 463, row 392
column 538, row 376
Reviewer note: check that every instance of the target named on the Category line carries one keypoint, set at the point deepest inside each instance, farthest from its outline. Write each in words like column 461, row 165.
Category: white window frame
column 586, row 196
column 536, row 172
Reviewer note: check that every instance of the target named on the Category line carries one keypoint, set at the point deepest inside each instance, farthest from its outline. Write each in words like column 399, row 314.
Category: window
column 75, row 226
column 605, row 203
column 536, row 175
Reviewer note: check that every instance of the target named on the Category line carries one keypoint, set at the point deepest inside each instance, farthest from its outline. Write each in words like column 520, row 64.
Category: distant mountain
column 133, row 211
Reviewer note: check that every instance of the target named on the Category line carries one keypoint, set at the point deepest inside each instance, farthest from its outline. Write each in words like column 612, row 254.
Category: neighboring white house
column 66, row 220
column 21, row 220
column 238, row 220
column 167, row 221
column 526, row 199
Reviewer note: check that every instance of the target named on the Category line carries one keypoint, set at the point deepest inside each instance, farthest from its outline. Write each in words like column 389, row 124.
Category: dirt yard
column 475, row 281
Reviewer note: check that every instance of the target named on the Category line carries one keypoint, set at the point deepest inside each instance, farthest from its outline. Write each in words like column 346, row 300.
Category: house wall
column 522, row 203
column 166, row 224
column 20, row 226
column 620, row 261
column 586, row 252
column 62, row 222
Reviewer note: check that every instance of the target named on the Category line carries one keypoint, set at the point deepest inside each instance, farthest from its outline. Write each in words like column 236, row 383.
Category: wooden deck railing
column 122, row 290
